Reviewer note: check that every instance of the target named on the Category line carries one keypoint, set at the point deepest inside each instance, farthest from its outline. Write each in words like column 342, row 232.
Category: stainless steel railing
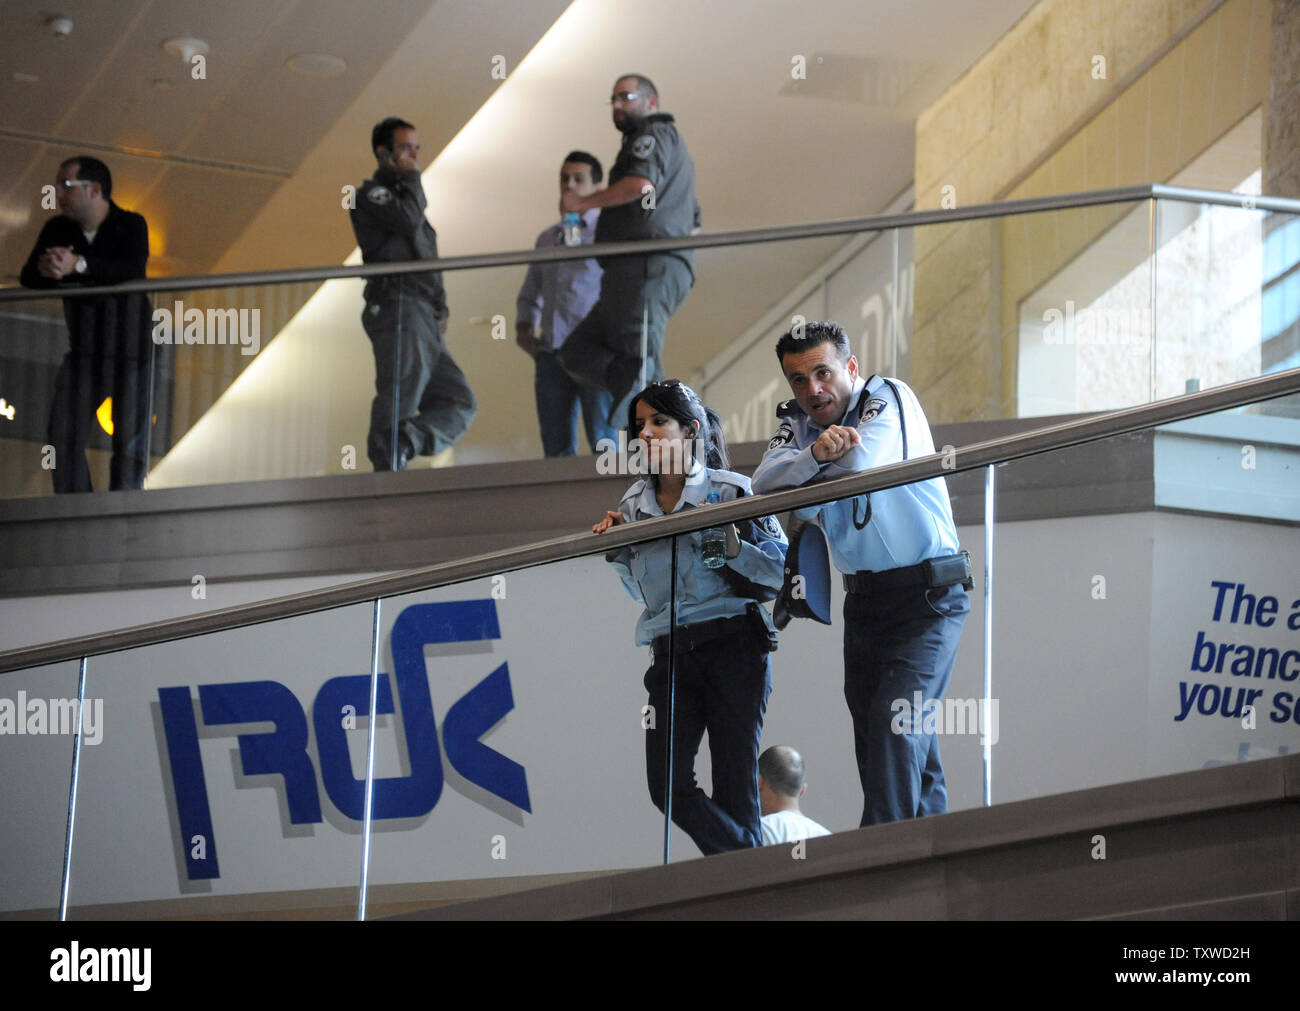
column 742, row 237
column 983, row 454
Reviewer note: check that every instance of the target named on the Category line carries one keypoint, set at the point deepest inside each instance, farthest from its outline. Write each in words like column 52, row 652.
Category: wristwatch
column 81, row 265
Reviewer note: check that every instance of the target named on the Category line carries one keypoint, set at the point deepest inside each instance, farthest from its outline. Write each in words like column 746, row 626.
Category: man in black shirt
column 95, row 242
column 421, row 395
column 651, row 195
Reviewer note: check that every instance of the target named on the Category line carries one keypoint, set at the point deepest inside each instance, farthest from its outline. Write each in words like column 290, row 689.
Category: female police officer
column 722, row 674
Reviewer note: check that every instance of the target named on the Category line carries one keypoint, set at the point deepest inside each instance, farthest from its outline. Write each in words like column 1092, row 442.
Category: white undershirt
column 789, row 826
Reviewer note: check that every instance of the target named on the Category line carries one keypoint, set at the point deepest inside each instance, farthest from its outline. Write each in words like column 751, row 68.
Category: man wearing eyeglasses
column 95, row 242
column 651, row 195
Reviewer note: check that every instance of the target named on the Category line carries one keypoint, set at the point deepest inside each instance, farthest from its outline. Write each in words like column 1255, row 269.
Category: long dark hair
column 677, row 400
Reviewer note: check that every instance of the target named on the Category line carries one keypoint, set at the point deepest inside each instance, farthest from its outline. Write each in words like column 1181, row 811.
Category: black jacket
column 390, row 226
column 117, row 325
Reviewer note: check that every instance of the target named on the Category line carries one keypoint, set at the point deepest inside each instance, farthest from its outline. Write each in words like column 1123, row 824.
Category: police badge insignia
column 380, row 195
column 642, row 146
column 783, row 435
column 872, row 409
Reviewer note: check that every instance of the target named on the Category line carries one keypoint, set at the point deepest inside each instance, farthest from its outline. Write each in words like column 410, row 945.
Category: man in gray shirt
column 651, row 195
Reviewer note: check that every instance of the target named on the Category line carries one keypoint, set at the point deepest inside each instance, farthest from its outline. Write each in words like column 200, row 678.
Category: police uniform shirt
column 390, row 227
column 907, row 525
column 703, row 594
column 655, row 152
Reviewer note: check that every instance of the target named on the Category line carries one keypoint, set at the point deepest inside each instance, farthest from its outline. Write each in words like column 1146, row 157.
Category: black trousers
column 424, row 399
column 84, row 379
column 722, row 688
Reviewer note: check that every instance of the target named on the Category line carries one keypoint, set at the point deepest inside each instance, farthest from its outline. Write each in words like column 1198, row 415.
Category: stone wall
column 1079, row 95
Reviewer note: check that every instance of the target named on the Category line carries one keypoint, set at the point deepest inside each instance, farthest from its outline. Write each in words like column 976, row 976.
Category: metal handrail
column 741, row 237
column 982, row 454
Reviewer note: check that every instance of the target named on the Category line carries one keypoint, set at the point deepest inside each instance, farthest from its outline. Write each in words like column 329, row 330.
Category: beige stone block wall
column 1282, row 129
column 1031, row 119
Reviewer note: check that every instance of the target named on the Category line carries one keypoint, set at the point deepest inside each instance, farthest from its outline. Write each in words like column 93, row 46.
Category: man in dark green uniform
column 422, row 401
column 651, row 195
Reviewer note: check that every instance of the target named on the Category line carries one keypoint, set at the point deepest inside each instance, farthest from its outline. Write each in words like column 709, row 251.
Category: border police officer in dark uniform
column 905, row 579
column 421, row 395
column 651, row 195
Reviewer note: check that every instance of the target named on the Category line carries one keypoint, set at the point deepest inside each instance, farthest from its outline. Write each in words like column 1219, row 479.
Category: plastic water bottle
column 572, row 229
column 713, row 541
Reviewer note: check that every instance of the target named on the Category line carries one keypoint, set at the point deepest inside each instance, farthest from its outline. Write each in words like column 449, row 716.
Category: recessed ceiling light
column 185, row 47
column 317, row 64
column 24, row 77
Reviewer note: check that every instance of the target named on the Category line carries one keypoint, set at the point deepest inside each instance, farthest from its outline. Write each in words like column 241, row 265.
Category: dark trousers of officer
column 897, row 643
column 720, row 687
column 603, row 352
column 85, row 378
column 423, row 401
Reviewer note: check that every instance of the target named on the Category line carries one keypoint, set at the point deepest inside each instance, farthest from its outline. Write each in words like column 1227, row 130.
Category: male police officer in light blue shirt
column 905, row 579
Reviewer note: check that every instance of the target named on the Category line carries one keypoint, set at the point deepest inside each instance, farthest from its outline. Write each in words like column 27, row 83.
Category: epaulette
column 788, row 409
column 732, row 478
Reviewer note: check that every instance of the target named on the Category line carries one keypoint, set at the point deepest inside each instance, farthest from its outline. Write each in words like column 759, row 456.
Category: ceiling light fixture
column 317, row 64
column 185, row 48
column 60, row 26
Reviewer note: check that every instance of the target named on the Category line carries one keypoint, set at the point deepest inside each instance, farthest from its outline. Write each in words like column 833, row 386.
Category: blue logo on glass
column 284, row 749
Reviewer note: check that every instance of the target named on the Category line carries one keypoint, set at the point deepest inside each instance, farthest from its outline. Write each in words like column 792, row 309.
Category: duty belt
column 413, row 286
column 687, row 637
column 946, row 570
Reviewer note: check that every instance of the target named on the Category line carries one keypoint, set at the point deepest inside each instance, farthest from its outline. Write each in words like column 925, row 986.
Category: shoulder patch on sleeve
column 380, row 195
column 770, row 526
column 871, row 410
column 643, row 146
column 784, row 435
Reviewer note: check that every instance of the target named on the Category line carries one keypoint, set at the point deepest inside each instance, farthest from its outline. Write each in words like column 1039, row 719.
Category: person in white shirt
column 781, row 782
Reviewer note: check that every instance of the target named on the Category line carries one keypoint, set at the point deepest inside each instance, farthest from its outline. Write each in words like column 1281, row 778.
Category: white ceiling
column 768, row 149
column 243, row 170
